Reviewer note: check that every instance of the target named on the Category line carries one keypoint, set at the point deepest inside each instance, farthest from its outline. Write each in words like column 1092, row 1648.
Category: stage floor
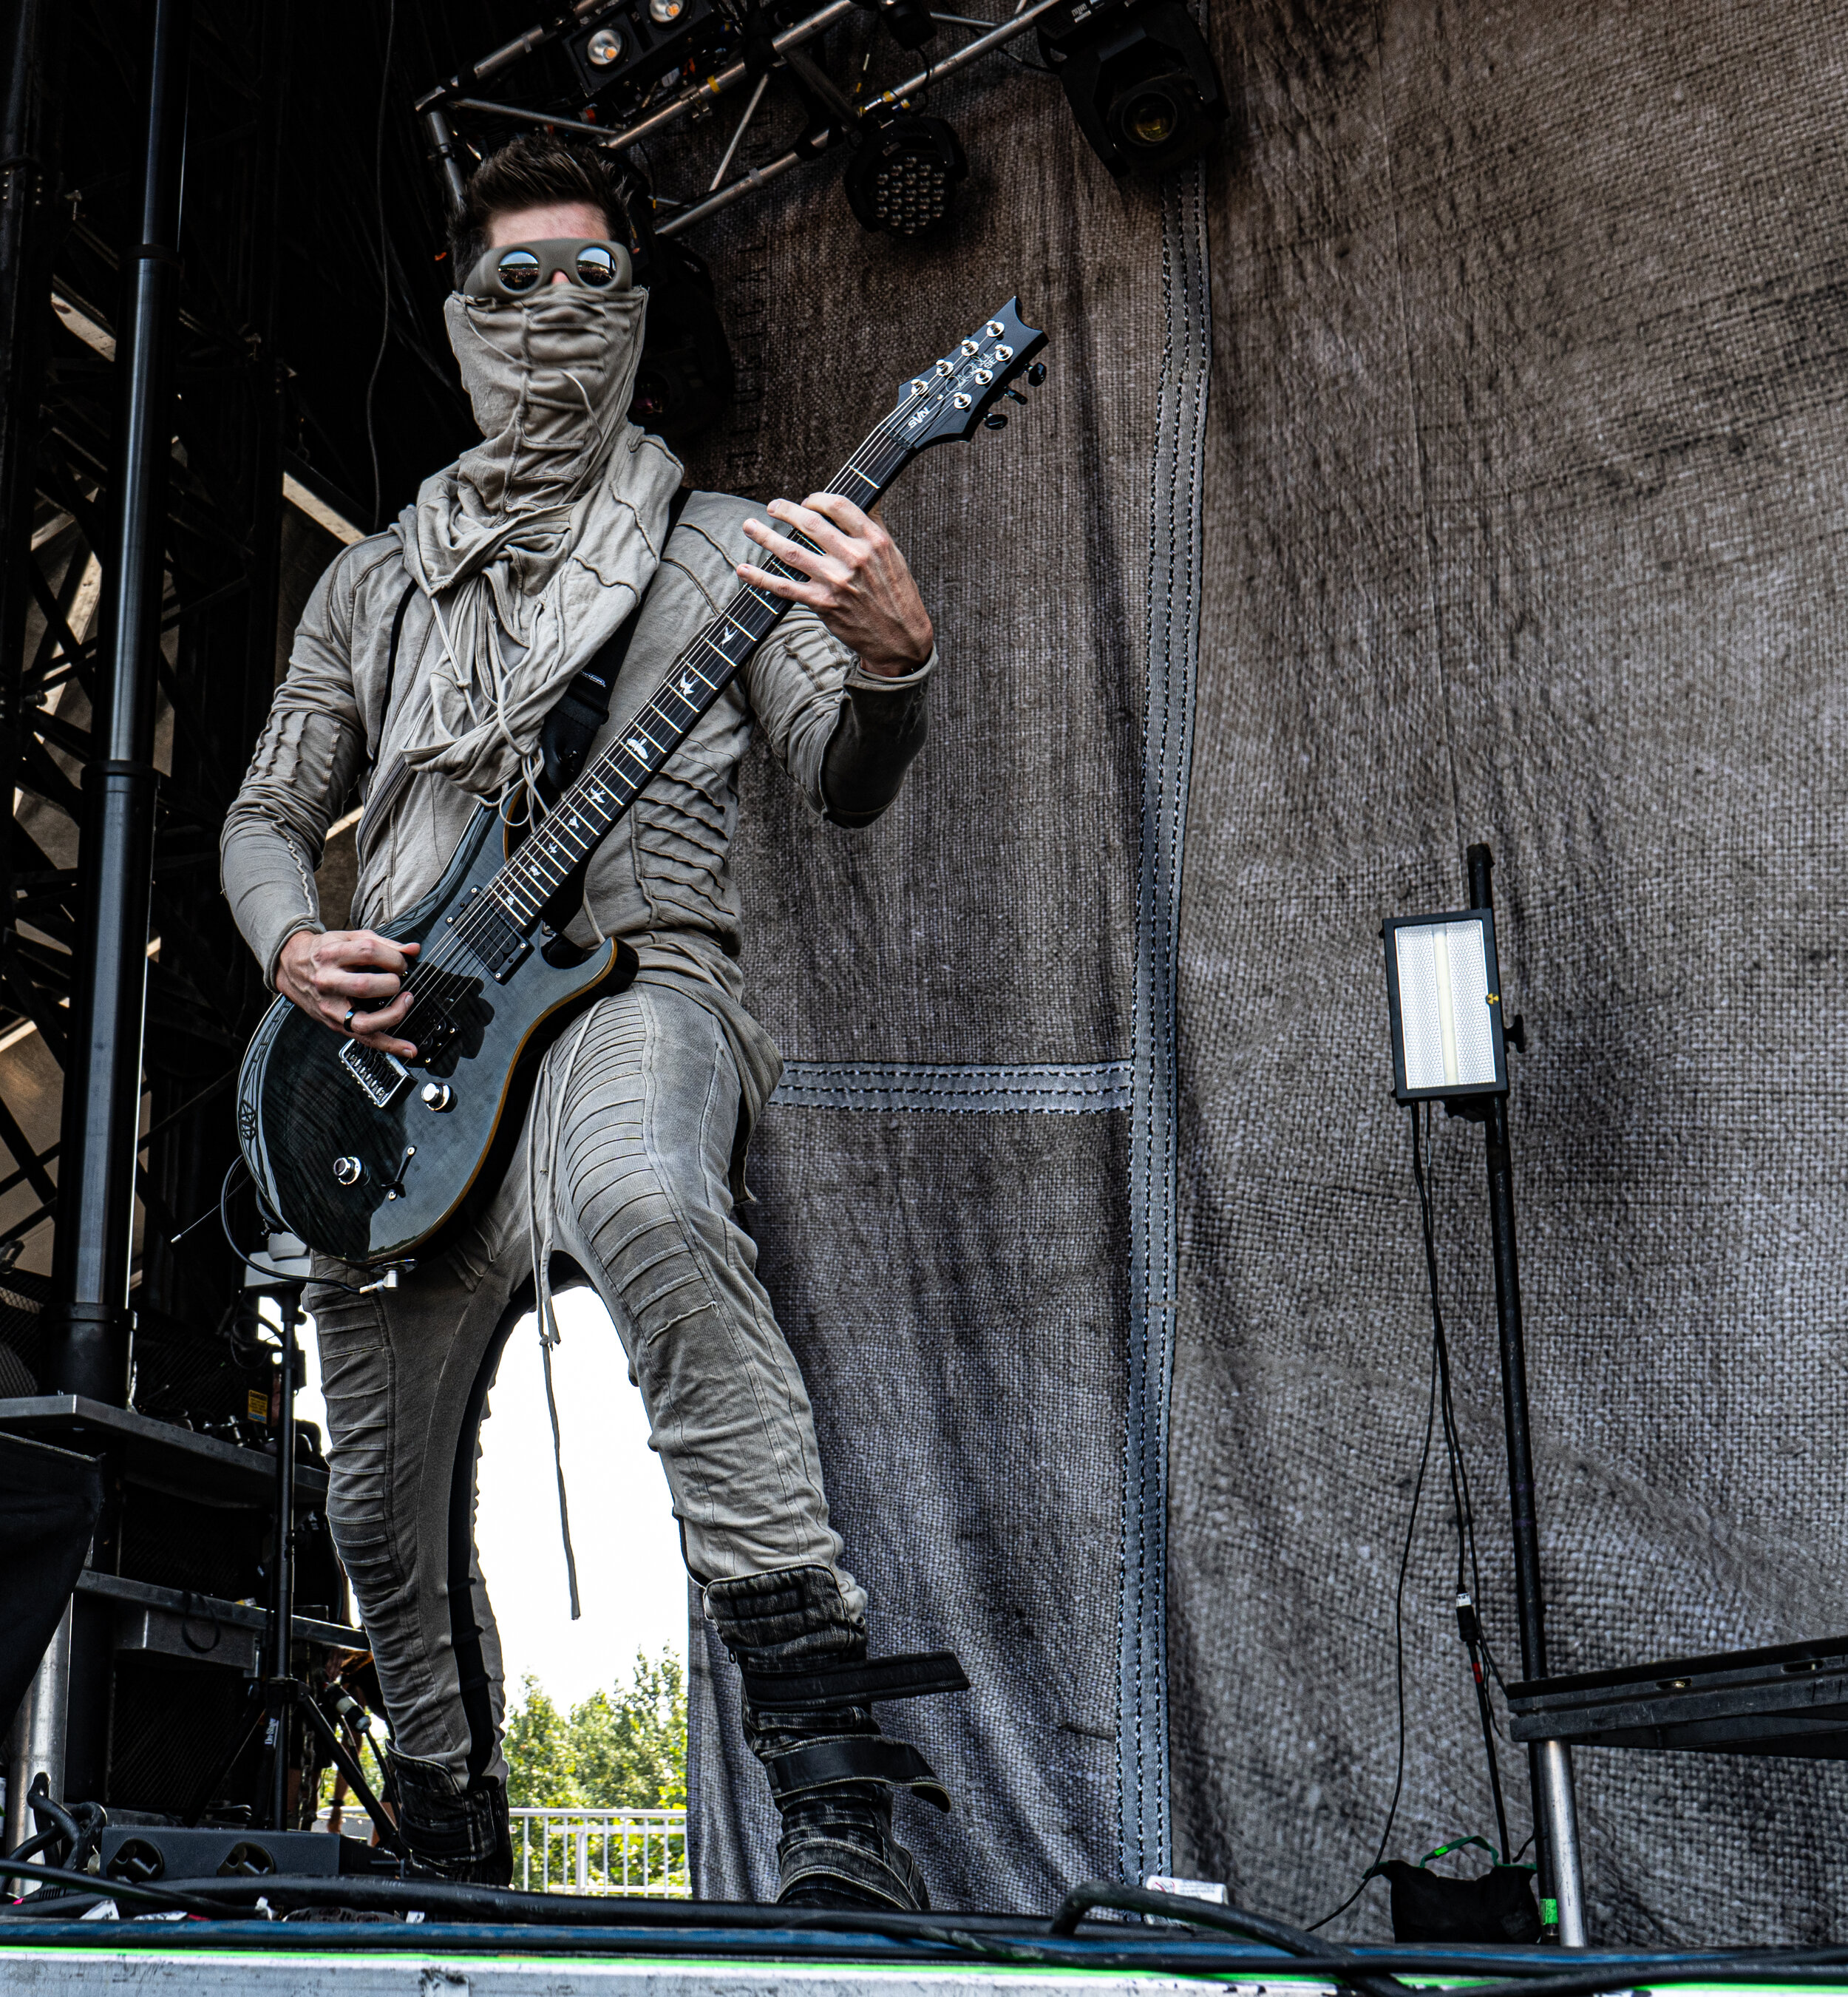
column 441, row 1972
column 229, row 1959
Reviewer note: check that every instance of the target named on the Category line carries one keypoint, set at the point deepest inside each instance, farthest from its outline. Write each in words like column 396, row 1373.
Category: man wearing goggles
column 424, row 672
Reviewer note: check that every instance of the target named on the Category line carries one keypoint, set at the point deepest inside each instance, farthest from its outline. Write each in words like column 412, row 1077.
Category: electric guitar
column 367, row 1158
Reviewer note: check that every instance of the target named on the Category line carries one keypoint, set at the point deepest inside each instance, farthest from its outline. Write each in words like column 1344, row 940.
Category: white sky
column 630, row 1580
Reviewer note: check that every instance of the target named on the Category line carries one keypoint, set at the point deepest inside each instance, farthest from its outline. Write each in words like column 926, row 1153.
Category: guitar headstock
column 948, row 400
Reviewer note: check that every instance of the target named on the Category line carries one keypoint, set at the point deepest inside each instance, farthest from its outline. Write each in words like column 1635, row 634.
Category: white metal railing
column 639, row 1852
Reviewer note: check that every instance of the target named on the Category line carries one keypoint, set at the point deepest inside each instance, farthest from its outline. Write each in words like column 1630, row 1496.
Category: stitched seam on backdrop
column 1174, row 554
column 1081, row 1089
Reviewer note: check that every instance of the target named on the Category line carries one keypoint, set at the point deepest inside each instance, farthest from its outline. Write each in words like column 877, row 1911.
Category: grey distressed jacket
column 662, row 880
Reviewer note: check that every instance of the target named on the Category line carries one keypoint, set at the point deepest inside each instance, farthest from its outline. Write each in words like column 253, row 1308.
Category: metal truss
column 842, row 114
column 66, row 218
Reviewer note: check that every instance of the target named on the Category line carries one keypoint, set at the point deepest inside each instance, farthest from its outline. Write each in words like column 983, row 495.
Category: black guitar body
column 367, row 1159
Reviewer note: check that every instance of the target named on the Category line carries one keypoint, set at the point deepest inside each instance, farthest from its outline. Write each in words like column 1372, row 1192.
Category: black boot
column 808, row 1718
column 453, row 1832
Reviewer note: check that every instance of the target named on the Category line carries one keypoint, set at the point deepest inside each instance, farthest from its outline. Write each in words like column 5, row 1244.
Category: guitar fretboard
column 510, row 906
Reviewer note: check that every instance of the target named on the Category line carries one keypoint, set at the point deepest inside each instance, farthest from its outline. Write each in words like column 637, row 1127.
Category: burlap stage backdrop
column 1499, row 496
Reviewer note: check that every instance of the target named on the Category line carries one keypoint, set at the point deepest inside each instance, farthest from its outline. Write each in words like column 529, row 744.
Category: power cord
column 1398, row 1650
column 69, row 1834
column 1475, row 1638
column 265, row 1269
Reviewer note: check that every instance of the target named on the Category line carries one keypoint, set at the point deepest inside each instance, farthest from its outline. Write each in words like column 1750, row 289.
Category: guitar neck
column 585, row 816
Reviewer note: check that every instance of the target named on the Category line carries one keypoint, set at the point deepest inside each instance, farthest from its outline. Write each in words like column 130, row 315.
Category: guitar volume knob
column 348, row 1171
column 437, row 1096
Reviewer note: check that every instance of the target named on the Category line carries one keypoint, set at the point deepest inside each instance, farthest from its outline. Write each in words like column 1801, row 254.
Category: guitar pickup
column 491, row 936
column 383, row 1077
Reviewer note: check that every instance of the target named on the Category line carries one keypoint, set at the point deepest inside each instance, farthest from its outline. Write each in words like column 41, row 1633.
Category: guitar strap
column 583, row 708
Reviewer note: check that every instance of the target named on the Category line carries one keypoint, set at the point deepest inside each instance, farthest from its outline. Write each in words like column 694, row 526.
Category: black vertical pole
column 1549, row 1764
column 282, row 1594
column 90, row 1348
column 1529, row 1595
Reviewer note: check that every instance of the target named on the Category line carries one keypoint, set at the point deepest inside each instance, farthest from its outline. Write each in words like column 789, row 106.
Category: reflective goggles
column 522, row 270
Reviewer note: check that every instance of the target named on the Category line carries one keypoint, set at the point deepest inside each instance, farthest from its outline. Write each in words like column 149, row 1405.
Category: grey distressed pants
column 627, row 1152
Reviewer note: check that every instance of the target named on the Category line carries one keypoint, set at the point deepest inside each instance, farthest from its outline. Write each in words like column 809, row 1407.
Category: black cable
column 1223, row 1920
column 1398, row 1647
column 686, row 1928
column 68, row 1834
column 267, row 1273
column 109, row 1889
column 384, row 274
column 1467, row 1512
column 57, row 1823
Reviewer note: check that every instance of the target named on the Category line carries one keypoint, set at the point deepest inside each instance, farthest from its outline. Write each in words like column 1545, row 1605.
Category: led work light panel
column 1441, row 991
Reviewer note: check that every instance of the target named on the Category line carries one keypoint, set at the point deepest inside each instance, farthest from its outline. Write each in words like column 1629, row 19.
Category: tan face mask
column 535, row 544
column 550, row 380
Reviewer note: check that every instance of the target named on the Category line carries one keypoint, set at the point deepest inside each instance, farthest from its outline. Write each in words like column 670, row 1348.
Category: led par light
column 902, row 177
column 1140, row 78
column 1444, row 994
column 628, row 45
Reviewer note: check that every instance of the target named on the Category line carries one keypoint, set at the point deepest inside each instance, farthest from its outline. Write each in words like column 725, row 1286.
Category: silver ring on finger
column 347, row 1022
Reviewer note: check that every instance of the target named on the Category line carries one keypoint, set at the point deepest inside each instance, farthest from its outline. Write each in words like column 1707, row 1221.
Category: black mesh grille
column 173, row 1725
column 181, row 1543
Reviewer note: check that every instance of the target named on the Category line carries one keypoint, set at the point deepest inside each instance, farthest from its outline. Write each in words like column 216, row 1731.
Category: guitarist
column 423, row 675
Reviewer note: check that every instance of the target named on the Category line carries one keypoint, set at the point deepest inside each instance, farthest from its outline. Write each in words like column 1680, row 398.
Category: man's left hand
column 857, row 583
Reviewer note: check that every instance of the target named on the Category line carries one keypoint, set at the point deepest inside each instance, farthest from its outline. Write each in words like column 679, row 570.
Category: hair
column 538, row 170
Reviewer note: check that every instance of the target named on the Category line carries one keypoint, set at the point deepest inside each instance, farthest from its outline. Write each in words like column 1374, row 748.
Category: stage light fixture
column 627, row 46
column 1140, row 78
column 1443, row 994
column 902, row 177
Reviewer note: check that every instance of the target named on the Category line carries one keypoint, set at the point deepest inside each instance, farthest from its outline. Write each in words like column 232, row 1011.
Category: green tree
column 630, row 1749
column 541, row 1764
column 622, row 1749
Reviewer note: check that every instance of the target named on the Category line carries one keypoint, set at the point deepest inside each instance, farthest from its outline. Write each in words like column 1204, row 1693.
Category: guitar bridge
column 383, row 1077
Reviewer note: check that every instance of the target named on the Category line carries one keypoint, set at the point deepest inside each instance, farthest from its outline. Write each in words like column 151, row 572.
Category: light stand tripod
column 279, row 1695
column 1443, row 985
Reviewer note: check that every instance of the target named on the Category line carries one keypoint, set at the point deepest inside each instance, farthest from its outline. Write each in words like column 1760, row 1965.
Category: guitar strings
column 475, row 924
column 472, row 925
column 494, row 909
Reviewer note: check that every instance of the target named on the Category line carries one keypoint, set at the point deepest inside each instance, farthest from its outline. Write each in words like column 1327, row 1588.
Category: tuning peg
column 1014, row 395
column 994, row 422
column 1036, row 374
